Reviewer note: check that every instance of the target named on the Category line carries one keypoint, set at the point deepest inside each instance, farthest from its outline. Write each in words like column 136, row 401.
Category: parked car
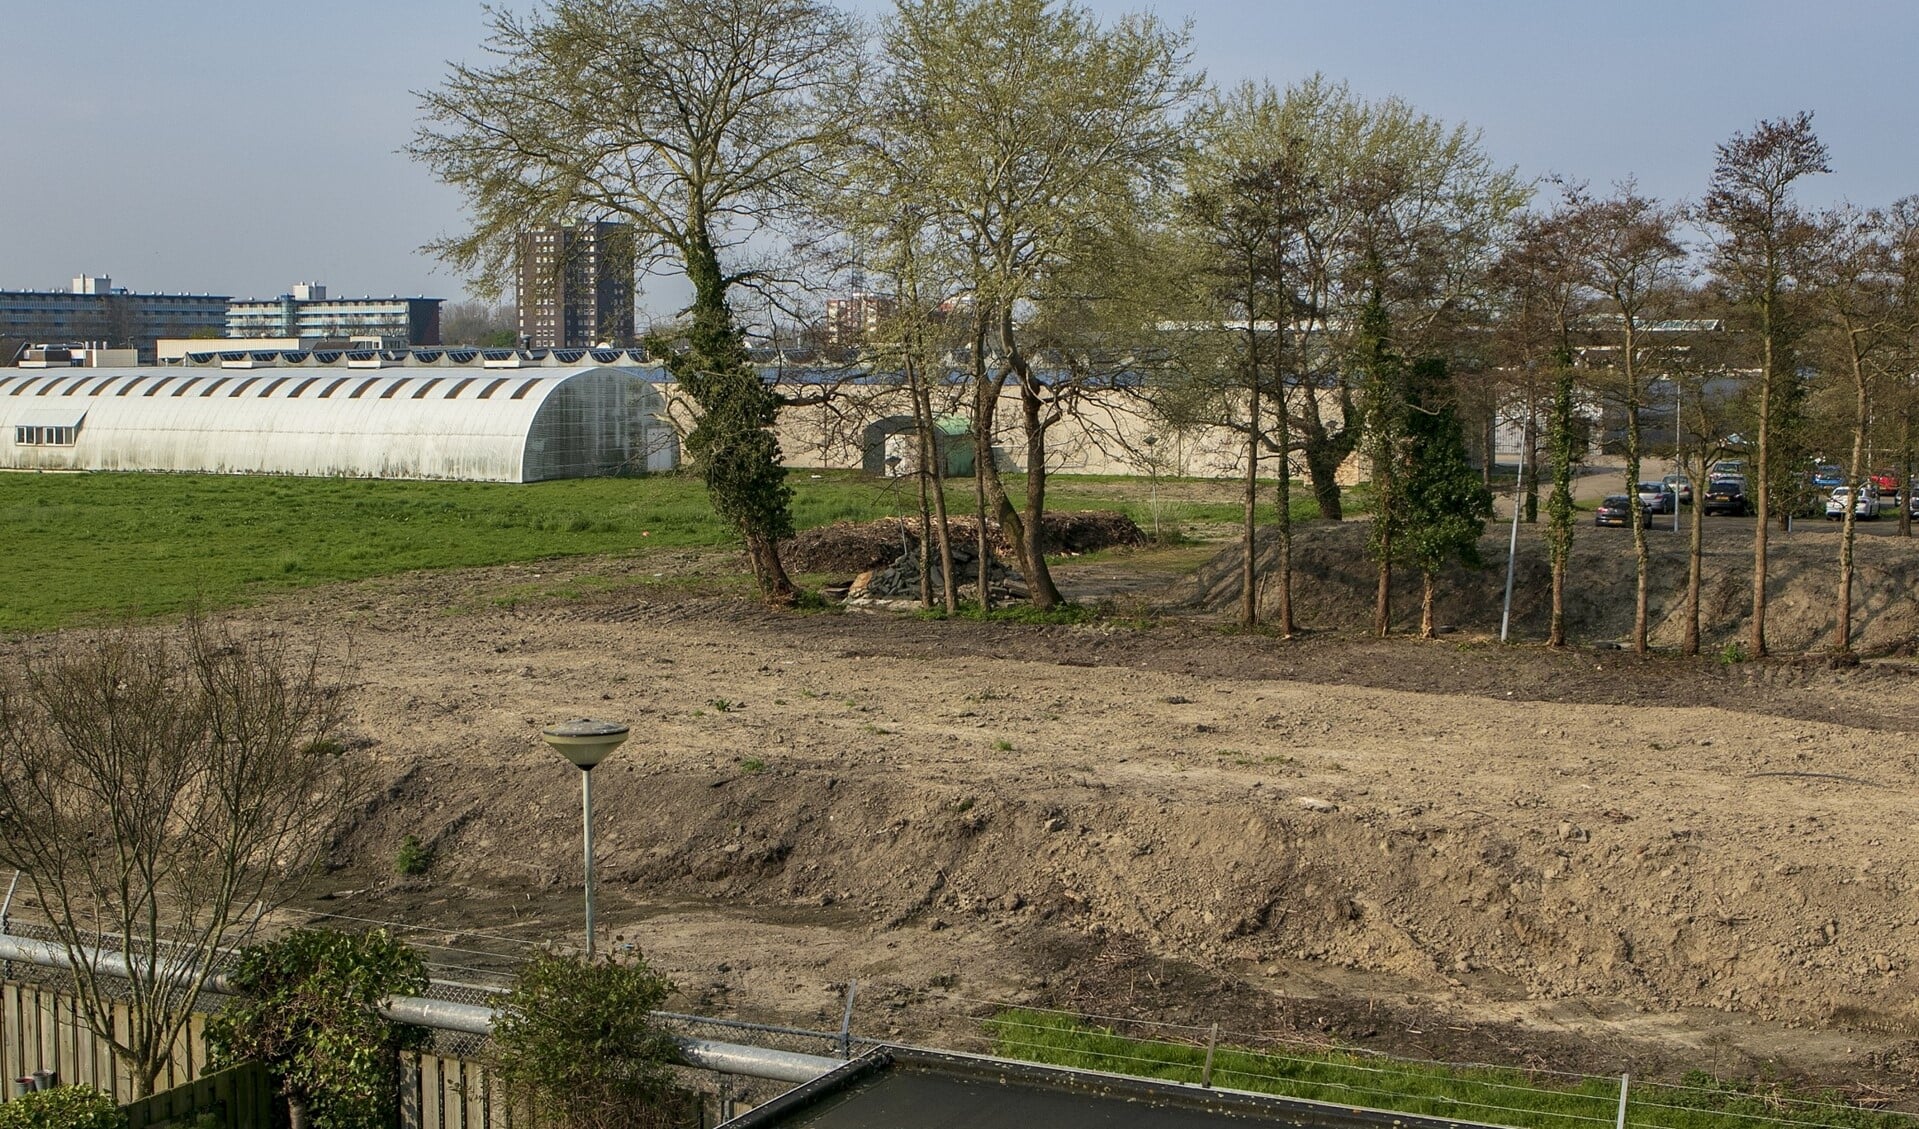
column 1866, row 508
column 1658, row 498
column 1617, row 510
column 1726, row 496
column 1886, row 480
column 1729, row 468
column 1680, row 485
column 1828, row 475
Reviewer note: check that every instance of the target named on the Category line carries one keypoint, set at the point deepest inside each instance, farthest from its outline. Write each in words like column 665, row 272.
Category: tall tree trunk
column 768, row 571
column 733, row 437
column 1324, row 451
column 1906, row 472
column 1642, row 562
column 942, row 527
column 923, row 473
column 985, row 402
column 1559, row 527
column 1861, row 415
column 1760, row 476
column 1288, row 627
column 1039, row 575
column 1695, row 563
column 1530, row 462
column 1383, row 588
column 1427, row 629
column 1249, row 542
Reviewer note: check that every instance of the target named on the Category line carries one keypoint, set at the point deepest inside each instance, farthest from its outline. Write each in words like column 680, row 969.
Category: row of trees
column 1063, row 210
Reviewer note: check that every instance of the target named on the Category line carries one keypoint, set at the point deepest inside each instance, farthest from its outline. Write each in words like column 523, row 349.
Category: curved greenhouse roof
column 473, row 423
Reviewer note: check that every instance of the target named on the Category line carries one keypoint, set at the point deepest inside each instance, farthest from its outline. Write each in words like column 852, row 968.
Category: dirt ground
column 1457, row 850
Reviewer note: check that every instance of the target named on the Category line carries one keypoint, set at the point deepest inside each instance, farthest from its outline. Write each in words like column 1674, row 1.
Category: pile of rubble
column 857, row 546
column 897, row 585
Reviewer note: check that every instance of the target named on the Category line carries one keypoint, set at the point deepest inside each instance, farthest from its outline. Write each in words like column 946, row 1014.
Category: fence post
column 1212, row 1044
column 1625, row 1080
column 846, row 1021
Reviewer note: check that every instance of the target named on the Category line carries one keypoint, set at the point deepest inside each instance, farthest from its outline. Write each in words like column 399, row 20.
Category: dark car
column 1828, row 475
column 1617, row 510
column 1726, row 496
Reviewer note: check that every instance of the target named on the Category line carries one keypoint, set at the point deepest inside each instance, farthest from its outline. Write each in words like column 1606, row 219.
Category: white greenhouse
column 485, row 419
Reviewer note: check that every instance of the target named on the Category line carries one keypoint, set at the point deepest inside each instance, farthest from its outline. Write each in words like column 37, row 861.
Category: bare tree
column 1249, row 203
column 1853, row 290
column 1632, row 258
column 1760, row 233
column 699, row 122
column 1027, row 130
column 1536, row 287
column 160, row 792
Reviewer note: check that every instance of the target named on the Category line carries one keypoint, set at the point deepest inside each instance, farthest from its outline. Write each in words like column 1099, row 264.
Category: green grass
column 1488, row 1094
column 88, row 547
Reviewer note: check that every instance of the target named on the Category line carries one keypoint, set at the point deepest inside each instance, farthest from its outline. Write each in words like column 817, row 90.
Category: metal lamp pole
column 586, row 743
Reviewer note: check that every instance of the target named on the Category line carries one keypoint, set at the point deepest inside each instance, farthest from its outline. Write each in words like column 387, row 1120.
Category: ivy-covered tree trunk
column 732, row 442
column 1385, row 429
column 1559, row 506
column 1441, row 505
column 1288, row 627
column 1249, row 500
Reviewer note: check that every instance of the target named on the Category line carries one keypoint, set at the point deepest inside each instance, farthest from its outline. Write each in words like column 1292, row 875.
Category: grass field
column 81, row 547
column 1486, row 1094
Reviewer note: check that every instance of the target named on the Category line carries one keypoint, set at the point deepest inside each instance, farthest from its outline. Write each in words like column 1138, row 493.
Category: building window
column 28, row 436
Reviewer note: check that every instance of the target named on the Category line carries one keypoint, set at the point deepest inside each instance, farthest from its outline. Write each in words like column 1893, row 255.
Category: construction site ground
column 1579, row 859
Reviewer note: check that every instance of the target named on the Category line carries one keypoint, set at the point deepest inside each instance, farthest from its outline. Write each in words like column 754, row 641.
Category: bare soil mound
column 1334, row 584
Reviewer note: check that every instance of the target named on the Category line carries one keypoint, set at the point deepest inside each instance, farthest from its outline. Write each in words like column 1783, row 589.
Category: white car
column 1867, row 507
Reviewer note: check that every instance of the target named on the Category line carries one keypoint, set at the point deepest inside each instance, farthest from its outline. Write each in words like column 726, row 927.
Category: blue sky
column 238, row 148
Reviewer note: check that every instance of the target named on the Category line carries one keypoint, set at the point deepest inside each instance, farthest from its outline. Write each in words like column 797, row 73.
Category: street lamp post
column 586, row 743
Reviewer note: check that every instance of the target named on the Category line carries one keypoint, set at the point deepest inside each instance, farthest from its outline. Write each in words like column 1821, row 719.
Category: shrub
column 64, row 1107
column 413, row 857
column 309, row 1009
column 576, row 1045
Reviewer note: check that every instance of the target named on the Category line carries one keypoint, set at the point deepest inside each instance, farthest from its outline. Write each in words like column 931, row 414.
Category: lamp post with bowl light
column 586, row 743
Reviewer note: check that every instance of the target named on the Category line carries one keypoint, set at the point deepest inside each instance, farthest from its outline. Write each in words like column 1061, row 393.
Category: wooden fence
column 42, row 1029
column 239, row 1097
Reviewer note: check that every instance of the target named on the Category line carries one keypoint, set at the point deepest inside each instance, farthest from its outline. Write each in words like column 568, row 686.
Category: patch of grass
column 413, row 857
column 752, row 766
column 1487, row 1094
column 1002, row 746
column 95, row 547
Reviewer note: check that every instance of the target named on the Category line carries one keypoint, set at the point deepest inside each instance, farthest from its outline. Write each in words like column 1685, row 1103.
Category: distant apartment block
column 93, row 310
column 575, row 285
column 851, row 321
column 306, row 314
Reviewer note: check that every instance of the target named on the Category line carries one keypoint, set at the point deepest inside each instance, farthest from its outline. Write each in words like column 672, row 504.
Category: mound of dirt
column 1334, row 583
column 852, row 547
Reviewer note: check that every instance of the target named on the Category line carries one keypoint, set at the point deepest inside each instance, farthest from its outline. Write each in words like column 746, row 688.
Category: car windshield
column 1615, row 501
